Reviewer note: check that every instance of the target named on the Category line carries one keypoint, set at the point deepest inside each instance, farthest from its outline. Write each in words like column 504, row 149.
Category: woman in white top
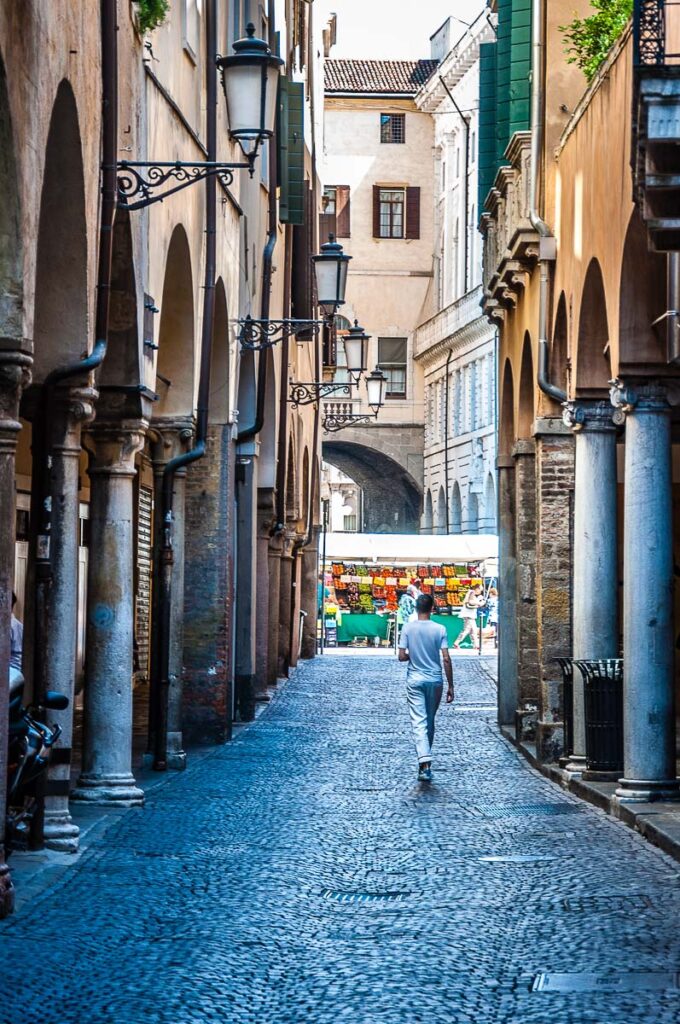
column 468, row 613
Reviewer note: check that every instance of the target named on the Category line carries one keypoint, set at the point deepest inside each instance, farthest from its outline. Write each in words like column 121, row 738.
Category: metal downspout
column 466, row 190
column 160, row 692
column 546, row 239
column 449, row 357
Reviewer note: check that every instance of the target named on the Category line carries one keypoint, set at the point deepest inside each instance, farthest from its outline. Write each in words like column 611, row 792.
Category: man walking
column 424, row 645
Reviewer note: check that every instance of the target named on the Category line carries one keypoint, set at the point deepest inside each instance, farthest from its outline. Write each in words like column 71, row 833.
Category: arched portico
column 392, row 498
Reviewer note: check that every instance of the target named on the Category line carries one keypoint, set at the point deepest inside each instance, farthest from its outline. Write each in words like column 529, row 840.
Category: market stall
column 365, row 575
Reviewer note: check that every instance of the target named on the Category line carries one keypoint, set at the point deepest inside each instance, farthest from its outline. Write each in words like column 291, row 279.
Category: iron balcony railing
column 656, row 33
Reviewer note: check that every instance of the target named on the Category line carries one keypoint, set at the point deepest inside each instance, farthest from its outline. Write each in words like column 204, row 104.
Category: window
column 191, row 26
column 392, row 362
column 349, row 524
column 335, row 212
column 392, row 203
column 396, row 212
column 393, row 127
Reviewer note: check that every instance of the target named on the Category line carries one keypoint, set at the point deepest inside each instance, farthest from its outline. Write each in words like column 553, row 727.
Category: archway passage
column 642, row 299
column 175, row 370
column 593, row 365
column 11, row 279
column 392, row 499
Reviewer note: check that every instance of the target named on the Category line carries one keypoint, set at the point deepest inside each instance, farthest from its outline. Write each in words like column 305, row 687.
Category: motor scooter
column 30, row 742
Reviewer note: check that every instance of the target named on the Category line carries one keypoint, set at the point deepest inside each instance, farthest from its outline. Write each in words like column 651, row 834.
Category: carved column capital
column 15, row 376
column 592, row 416
column 170, row 436
column 113, row 446
column 643, row 396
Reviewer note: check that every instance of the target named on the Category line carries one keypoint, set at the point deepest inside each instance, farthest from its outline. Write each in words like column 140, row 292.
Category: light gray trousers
column 423, row 696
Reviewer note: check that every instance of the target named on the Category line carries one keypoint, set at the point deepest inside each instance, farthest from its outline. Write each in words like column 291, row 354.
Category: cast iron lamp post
column 376, row 389
column 330, row 267
column 250, row 82
column 356, row 345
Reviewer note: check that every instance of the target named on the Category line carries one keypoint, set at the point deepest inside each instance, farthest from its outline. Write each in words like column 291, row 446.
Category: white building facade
column 455, row 348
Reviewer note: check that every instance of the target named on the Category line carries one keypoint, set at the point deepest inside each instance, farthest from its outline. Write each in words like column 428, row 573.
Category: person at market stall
column 492, row 608
column 425, row 645
column 468, row 613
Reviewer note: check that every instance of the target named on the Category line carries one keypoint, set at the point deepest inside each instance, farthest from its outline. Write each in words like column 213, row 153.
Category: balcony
column 444, row 324
column 510, row 241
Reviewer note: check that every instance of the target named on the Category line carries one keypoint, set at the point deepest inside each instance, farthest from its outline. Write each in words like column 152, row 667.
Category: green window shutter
column 503, row 45
column 487, row 154
column 291, row 152
column 520, row 68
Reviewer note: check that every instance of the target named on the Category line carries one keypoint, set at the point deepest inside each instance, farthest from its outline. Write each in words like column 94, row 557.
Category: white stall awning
column 407, row 549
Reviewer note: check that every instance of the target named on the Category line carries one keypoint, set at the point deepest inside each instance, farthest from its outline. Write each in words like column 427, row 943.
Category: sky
column 396, row 29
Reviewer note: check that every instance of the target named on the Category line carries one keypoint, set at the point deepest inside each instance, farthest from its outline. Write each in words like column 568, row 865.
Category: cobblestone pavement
column 301, row 874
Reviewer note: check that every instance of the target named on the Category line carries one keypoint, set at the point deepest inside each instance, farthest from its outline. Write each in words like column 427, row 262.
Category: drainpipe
column 466, row 165
column 546, row 254
column 673, row 303
column 282, row 456
column 446, row 437
column 166, row 561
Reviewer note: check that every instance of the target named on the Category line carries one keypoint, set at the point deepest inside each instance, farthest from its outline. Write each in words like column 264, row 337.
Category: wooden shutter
column 291, row 165
column 342, row 216
column 376, row 211
column 412, row 212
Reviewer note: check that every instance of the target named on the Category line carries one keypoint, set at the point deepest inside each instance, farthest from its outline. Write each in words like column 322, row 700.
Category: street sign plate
column 622, row 982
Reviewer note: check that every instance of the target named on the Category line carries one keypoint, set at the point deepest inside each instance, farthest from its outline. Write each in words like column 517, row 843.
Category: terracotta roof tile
column 377, row 76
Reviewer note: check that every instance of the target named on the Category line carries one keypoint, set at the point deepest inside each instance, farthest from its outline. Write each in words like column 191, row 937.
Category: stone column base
column 60, row 833
column 177, row 757
column 6, row 891
column 576, row 764
column 113, row 790
column 644, row 791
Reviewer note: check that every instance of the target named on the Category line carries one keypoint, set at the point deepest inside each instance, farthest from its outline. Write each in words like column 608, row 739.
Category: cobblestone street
column 302, row 874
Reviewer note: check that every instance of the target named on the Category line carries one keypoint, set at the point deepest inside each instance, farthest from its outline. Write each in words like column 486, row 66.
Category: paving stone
column 301, row 873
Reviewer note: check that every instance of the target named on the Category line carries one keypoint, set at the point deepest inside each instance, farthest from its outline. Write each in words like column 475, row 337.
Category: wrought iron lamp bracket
column 314, row 391
column 332, row 423
column 139, row 182
column 257, row 335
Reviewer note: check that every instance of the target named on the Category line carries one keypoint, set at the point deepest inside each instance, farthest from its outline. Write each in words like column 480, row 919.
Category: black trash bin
column 567, row 706
column 603, row 693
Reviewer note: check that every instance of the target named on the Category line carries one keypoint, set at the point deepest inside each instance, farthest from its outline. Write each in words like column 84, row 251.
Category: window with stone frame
column 392, row 360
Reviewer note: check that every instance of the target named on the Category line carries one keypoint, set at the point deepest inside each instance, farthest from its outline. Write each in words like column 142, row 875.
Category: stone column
column 508, row 687
column 107, row 777
column 275, row 551
column 172, row 438
column 14, row 377
column 285, row 601
column 246, row 576
column 555, row 491
column 524, row 454
column 310, row 591
column 73, row 409
column 649, row 714
column 596, row 572
column 265, row 520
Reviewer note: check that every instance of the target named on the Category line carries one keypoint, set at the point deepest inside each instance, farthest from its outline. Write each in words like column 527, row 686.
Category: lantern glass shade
column 250, row 78
column 376, row 387
column 356, row 343
column 330, row 267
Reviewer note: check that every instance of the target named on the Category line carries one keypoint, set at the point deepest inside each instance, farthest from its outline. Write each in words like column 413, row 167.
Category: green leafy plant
column 151, row 13
column 590, row 39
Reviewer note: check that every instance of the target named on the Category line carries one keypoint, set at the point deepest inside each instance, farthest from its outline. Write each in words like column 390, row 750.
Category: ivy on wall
column 589, row 40
column 151, row 13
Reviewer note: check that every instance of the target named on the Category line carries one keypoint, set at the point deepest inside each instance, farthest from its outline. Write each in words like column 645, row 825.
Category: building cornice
column 457, row 344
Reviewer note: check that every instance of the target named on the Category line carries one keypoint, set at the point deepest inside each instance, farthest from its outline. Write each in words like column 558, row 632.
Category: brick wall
column 555, row 488
column 525, row 519
column 207, row 595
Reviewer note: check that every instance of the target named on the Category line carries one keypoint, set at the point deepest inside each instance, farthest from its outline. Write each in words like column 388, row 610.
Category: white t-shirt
column 424, row 640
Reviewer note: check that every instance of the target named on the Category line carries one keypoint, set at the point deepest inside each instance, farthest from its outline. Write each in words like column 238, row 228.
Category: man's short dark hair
column 424, row 603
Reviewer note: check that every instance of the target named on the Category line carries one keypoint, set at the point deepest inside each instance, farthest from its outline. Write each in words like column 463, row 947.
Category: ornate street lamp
column 250, row 82
column 356, row 348
column 330, row 267
column 376, row 387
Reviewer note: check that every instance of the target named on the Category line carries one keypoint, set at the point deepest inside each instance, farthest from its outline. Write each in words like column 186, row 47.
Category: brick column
column 266, row 517
column 275, row 552
column 14, row 378
column 171, row 437
column 73, row 409
column 107, row 777
column 309, row 596
column 507, row 605
column 554, row 487
column 524, row 454
column 285, row 602
column 208, row 581
column 246, row 576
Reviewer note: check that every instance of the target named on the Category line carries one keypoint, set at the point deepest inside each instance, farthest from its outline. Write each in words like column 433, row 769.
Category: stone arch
column 642, row 298
column 121, row 365
column 490, row 504
column 11, row 259
column 525, row 410
column 559, row 353
column 291, row 482
column 428, row 519
column 441, row 524
column 506, row 426
column 247, row 389
column 456, row 509
column 304, row 491
column 472, row 525
column 220, row 368
column 593, row 365
column 175, row 367
column 266, row 475
column 392, row 498
column 60, row 327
